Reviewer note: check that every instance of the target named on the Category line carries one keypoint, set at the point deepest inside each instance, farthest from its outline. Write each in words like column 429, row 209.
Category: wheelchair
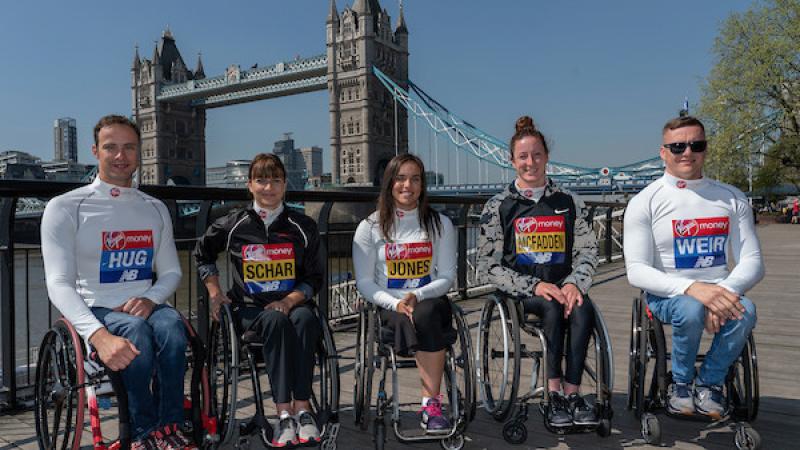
column 499, row 358
column 69, row 376
column 648, row 380
column 374, row 351
column 230, row 356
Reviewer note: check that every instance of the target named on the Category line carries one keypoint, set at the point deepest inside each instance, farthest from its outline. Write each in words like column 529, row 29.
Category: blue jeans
column 161, row 340
column 687, row 317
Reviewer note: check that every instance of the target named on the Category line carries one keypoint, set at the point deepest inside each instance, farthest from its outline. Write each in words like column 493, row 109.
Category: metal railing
column 26, row 313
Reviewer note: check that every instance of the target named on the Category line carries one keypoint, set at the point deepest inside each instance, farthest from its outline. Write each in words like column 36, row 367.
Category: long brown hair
column 428, row 217
column 524, row 127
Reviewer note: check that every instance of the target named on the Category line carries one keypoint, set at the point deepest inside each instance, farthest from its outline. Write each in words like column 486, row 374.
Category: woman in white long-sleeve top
column 404, row 256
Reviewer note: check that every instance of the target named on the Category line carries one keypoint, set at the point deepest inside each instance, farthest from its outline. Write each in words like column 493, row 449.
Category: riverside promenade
column 777, row 339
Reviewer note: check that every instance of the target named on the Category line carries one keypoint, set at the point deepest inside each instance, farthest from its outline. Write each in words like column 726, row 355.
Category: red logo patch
column 114, row 192
column 400, row 213
column 680, row 184
column 685, row 228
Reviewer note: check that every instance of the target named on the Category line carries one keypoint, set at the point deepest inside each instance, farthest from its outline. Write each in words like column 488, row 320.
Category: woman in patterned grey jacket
column 537, row 247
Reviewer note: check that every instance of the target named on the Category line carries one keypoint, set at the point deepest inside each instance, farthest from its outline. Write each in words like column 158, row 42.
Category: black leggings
column 290, row 343
column 581, row 324
column 431, row 331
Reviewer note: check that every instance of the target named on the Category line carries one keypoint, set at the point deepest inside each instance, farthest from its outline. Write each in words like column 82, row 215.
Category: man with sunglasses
column 681, row 232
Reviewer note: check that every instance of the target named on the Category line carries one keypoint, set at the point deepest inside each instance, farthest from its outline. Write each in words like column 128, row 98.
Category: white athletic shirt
column 410, row 262
column 681, row 231
column 102, row 245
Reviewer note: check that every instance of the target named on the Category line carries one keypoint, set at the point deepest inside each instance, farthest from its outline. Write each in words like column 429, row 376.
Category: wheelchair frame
column 66, row 379
column 500, row 396
column 227, row 333
column 458, row 376
column 647, row 389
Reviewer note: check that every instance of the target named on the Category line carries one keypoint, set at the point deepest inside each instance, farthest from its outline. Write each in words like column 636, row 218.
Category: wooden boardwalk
column 778, row 342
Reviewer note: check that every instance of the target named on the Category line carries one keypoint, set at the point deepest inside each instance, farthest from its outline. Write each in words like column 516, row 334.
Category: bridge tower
column 366, row 125
column 173, row 134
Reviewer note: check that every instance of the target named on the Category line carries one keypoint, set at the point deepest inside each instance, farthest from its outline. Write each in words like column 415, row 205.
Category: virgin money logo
column 115, row 240
column 395, row 251
column 527, row 225
column 686, row 228
column 255, row 253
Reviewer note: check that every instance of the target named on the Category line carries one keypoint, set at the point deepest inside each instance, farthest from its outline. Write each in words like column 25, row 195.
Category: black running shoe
column 582, row 414
column 558, row 412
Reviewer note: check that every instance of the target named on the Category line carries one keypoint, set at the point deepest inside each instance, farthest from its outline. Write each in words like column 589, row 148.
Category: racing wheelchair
column 649, row 380
column 69, row 376
column 233, row 355
column 499, row 358
column 374, row 351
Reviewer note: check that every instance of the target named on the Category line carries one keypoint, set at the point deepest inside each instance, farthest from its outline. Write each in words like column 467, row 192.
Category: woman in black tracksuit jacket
column 274, row 251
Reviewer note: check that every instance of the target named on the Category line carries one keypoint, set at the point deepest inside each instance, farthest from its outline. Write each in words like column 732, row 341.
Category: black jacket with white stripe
column 244, row 227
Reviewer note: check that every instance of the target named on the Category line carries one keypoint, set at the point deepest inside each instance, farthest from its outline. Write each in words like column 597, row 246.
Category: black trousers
column 290, row 343
column 577, row 329
column 431, row 331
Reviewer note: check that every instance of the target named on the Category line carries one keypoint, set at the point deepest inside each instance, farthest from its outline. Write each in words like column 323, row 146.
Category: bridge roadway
column 778, row 343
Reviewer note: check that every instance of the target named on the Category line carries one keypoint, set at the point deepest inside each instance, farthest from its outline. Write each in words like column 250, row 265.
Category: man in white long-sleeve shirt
column 681, row 233
column 103, row 245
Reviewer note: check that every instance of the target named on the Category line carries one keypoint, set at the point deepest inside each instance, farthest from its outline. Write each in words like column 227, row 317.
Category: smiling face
column 407, row 186
column 687, row 165
column 267, row 191
column 530, row 160
column 117, row 153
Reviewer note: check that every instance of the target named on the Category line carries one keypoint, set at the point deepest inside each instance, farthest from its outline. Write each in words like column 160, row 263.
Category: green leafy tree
column 781, row 162
column 751, row 99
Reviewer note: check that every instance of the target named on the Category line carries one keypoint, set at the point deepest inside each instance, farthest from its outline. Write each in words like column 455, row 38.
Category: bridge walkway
column 778, row 343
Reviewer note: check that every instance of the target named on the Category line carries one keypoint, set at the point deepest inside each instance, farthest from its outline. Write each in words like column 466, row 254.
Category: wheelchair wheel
column 603, row 375
column 325, row 397
column 499, row 356
column 463, row 366
column 196, row 406
column 633, row 354
column 743, row 389
column 365, row 364
column 223, row 368
column 649, row 375
column 59, row 396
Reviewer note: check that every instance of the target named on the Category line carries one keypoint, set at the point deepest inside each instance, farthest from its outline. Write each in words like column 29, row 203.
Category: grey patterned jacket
column 491, row 245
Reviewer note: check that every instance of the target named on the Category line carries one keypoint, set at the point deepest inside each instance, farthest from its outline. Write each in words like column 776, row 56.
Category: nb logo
column 704, row 261
column 411, row 284
column 129, row 275
column 561, row 211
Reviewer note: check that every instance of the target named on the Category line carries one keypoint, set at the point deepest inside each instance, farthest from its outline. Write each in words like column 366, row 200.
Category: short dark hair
column 266, row 165
column 681, row 122
column 115, row 119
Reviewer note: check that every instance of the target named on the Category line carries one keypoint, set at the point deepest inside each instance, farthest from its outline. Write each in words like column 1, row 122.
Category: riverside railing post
column 324, row 231
column 201, row 224
column 7, row 323
column 609, row 211
column 462, row 252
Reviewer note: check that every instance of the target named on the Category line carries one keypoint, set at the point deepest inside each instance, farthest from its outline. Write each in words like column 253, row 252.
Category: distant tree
column 782, row 163
column 751, row 99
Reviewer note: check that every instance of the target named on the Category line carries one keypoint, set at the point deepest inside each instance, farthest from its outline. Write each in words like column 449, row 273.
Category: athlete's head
column 116, row 147
column 683, row 147
column 403, row 188
column 529, row 153
column 267, row 180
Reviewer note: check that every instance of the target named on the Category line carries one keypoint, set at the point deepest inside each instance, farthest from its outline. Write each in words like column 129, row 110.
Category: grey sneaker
column 285, row 432
column 558, row 412
column 679, row 399
column 307, row 430
column 582, row 413
column 710, row 401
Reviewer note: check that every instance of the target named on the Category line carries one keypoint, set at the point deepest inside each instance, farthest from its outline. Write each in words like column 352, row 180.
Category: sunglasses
column 676, row 148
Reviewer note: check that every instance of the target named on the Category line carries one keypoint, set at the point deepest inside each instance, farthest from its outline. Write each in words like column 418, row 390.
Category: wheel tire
column 60, row 357
column 499, row 320
column 651, row 429
column 358, row 369
column 455, row 442
column 223, row 368
column 379, row 434
column 515, row 432
column 634, row 377
column 747, row 438
column 464, row 369
column 326, row 369
column 604, row 428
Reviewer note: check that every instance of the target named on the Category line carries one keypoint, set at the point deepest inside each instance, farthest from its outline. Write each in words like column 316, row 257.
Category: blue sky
column 599, row 78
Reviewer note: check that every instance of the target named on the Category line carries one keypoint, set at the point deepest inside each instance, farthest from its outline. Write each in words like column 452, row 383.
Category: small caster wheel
column 651, row 429
column 328, row 444
column 515, row 432
column 453, row 442
column 604, row 428
column 747, row 438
